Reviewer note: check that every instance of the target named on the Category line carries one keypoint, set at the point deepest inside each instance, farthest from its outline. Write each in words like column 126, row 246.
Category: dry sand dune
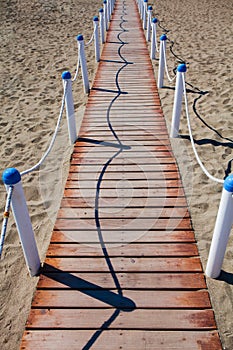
column 37, row 44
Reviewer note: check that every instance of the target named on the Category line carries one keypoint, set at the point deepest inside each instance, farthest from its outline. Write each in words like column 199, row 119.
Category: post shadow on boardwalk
column 108, row 297
column 103, row 143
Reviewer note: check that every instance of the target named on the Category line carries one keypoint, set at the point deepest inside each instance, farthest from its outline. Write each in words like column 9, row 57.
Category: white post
column 112, row 6
column 153, row 38
column 83, row 64
column 144, row 13
column 105, row 15
column 179, row 90
column 12, row 177
column 162, row 58
column 141, row 8
column 149, row 23
column 70, row 114
column 109, row 9
column 96, row 37
column 222, row 230
column 101, row 16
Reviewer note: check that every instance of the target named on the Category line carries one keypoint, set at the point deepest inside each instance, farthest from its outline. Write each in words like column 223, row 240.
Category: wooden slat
column 127, row 175
column 134, row 281
column 123, row 264
column 127, row 250
column 127, row 340
column 127, row 224
column 90, row 298
column 121, row 236
column 163, row 192
column 72, row 213
column 137, row 319
column 136, row 203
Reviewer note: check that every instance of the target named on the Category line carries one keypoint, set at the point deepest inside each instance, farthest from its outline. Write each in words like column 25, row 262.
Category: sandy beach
column 38, row 43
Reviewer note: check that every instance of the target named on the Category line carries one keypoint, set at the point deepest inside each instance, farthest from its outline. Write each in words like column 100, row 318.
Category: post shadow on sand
column 216, row 144
column 226, row 277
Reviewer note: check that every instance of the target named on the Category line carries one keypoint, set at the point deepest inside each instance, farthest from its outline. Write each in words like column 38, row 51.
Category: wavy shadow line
column 106, row 165
column 104, row 326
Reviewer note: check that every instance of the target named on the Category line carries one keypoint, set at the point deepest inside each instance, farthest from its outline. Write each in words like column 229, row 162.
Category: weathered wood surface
column 122, row 270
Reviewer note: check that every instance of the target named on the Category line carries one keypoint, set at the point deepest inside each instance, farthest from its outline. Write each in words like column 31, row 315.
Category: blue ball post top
column 11, row 176
column 145, row 0
column 182, row 68
column 80, row 37
column 163, row 37
column 228, row 183
column 150, row 8
column 154, row 20
column 101, row 10
column 66, row 75
column 95, row 19
column 105, row 2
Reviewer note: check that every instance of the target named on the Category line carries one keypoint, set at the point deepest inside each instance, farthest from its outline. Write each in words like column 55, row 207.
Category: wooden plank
column 125, row 224
column 90, row 298
column 69, row 213
column 125, row 340
column 124, row 183
column 126, row 168
column 129, row 175
column 164, row 164
column 137, row 319
column 134, row 281
column 122, row 193
column 136, row 203
column 123, row 264
column 126, row 250
column 121, row 236
column 135, row 147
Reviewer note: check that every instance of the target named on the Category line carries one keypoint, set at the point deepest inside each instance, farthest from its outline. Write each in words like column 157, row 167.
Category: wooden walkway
column 122, row 270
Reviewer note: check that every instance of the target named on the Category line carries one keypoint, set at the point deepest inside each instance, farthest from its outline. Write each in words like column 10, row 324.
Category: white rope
column 92, row 37
column 191, row 137
column 5, row 218
column 36, row 166
column 166, row 68
column 78, row 65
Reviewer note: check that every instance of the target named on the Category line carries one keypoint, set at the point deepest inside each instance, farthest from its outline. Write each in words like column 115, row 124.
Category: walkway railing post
column 12, row 177
column 96, row 38
column 101, row 17
column 105, row 15
column 83, row 64
column 112, row 6
column 179, row 90
column 162, row 58
column 144, row 14
column 109, row 9
column 70, row 114
column 149, row 23
column 222, row 230
column 142, row 8
column 153, row 38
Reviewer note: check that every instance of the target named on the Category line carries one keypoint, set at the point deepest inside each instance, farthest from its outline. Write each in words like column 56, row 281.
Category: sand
column 38, row 42
column 202, row 36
